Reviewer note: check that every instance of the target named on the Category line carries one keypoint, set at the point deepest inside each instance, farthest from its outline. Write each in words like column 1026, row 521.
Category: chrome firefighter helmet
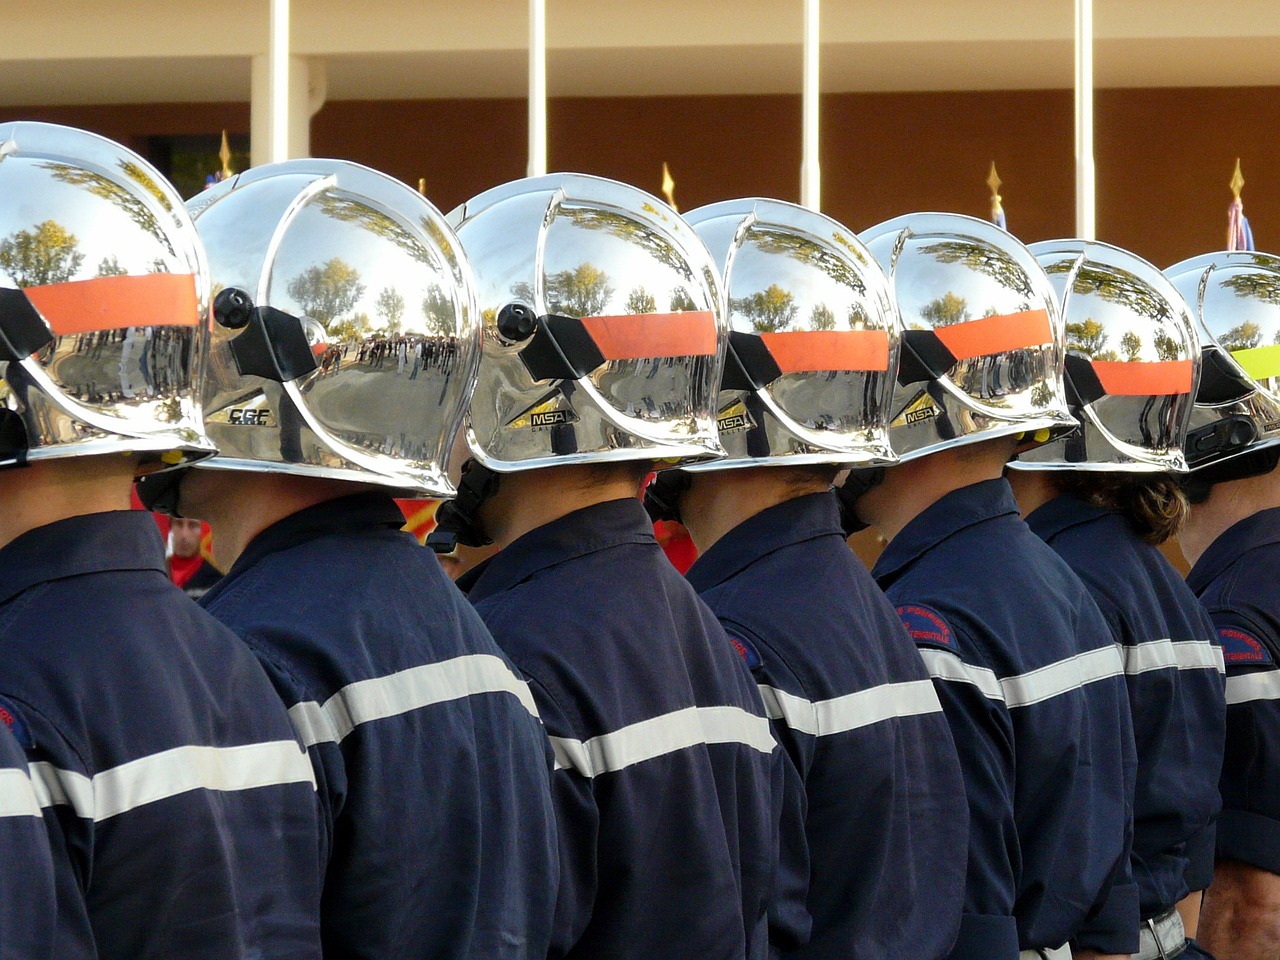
column 1236, row 301
column 603, row 326
column 982, row 347
column 346, row 334
column 104, row 295
column 813, row 346
column 1131, row 366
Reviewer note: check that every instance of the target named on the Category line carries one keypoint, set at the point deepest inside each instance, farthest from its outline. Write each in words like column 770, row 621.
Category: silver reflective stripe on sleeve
column 1032, row 687
column 170, row 773
column 657, row 736
column 1045, row 683
column 943, row 665
column 17, row 796
column 1178, row 654
column 403, row 692
column 1264, row 685
column 822, row 718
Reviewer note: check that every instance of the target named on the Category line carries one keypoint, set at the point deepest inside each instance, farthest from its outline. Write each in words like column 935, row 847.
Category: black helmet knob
column 232, row 308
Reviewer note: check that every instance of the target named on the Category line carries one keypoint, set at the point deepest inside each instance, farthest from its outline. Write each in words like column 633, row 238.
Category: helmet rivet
column 232, row 308
column 516, row 322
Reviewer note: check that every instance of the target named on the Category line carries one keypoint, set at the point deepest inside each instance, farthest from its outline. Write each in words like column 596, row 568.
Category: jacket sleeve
column 1249, row 825
column 27, row 900
column 578, row 832
column 790, row 921
column 983, row 735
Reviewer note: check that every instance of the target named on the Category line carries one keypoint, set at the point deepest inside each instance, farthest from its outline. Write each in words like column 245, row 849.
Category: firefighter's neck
column 1227, row 505
column 719, row 501
column 1032, row 489
column 911, row 488
column 47, row 491
column 534, row 498
column 240, row 505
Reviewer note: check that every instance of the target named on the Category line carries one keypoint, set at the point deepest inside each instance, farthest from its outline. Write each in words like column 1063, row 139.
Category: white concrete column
column 1086, row 199
column 308, row 88
column 810, row 168
column 537, row 88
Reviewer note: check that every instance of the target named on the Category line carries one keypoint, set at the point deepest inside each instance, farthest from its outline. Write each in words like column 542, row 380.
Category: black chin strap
column 159, row 491
column 662, row 497
column 858, row 483
column 1199, row 483
column 456, row 520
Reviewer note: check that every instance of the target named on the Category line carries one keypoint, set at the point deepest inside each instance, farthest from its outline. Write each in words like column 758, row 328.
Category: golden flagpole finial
column 997, row 210
column 669, row 187
column 1237, row 181
column 422, row 186
column 224, row 154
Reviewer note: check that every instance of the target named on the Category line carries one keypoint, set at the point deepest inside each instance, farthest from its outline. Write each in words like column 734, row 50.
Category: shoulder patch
column 1240, row 648
column 12, row 719
column 749, row 654
column 925, row 625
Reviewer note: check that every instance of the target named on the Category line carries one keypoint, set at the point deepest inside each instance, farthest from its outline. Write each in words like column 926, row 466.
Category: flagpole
column 1085, row 188
column 278, row 80
column 810, row 170
column 537, row 88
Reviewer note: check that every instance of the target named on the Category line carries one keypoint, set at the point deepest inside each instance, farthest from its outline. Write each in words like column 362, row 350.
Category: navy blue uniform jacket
column 1033, row 686
column 27, row 904
column 664, row 758
column 853, row 705
column 431, row 763
column 180, row 807
column 1238, row 580
column 1173, row 667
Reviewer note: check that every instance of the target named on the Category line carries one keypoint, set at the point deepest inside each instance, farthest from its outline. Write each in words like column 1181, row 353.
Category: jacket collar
column 94, row 543
column 1258, row 530
column 958, row 510
column 576, row 534
column 1061, row 513
column 792, row 521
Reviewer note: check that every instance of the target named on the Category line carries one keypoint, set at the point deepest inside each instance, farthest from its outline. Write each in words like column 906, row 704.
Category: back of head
column 347, row 335
column 813, row 343
column 982, row 341
column 1153, row 503
column 104, row 320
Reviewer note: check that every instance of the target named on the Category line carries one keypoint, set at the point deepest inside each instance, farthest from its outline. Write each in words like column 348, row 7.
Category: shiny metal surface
column 101, row 247
column 379, row 284
column 645, row 290
column 971, row 287
column 1137, row 334
column 812, row 300
column 1236, row 300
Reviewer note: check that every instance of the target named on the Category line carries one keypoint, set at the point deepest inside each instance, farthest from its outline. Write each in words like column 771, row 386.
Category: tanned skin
column 47, row 491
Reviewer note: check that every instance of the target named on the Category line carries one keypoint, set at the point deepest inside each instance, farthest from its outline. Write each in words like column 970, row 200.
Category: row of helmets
column 347, row 329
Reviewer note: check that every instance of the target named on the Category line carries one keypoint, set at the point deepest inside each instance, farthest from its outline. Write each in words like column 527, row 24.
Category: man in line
column 1232, row 540
column 664, row 760
column 180, row 806
column 1023, row 662
column 848, row 696
column 432, row 766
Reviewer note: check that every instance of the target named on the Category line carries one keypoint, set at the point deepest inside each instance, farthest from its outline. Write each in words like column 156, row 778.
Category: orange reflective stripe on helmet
column 1003, row 332
column 810, row 351
column 110, row 303
column 1136, row 378
column 648, row 336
